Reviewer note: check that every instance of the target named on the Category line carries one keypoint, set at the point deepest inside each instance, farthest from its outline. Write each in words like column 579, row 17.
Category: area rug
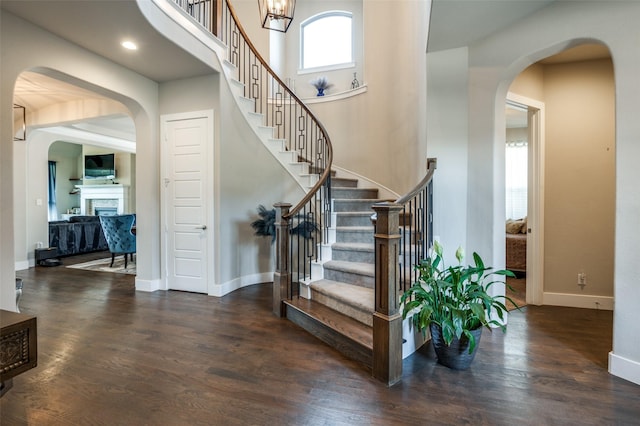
column 103, row 265
column 517, row 293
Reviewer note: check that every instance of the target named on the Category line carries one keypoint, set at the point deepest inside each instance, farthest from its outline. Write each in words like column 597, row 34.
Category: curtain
column 53, row 209
column 516, row 179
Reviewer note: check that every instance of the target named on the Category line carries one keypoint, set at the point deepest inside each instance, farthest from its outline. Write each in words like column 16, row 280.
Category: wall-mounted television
column 100, row 166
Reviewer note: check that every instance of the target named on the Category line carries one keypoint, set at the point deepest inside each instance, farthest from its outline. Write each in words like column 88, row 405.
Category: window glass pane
column 326, row 41
column 516, row 179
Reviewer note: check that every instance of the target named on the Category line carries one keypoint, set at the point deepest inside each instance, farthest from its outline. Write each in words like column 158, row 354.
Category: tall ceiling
column 101, row 25
column 457, row 23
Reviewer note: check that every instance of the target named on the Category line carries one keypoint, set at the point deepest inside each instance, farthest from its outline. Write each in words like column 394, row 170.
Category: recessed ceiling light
column 128, row 44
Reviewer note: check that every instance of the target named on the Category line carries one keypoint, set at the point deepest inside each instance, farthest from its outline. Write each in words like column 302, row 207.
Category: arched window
column 326, row 40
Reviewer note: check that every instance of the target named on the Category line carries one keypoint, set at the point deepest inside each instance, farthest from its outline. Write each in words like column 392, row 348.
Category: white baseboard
column 413, row 338
column 220, row 290
column 148, row 285
column 578, row 301
column 624, row 368
column 22, row 265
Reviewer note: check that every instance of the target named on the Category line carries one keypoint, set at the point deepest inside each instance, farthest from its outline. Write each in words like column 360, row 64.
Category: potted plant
column 321, row 84
column 454, row 303
column 304, row 226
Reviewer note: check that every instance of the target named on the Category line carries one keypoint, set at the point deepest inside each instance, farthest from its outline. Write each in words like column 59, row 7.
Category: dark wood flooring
column 109, row 355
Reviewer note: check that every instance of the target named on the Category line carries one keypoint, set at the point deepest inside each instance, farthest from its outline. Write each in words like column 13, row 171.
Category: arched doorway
column 60, row 112
column 572, row 178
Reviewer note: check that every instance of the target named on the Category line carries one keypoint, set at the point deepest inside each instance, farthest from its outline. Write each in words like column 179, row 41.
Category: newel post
column 282, row 276
column 387, row 318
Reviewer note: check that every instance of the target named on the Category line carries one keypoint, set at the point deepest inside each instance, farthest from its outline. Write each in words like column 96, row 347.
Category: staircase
column 337, row 282
column 339, row 309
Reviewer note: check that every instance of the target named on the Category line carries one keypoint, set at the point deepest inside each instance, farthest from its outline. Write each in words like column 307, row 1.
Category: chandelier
column 276, row 14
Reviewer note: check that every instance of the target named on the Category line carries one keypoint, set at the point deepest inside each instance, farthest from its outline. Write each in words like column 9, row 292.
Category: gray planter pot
column 456, row 355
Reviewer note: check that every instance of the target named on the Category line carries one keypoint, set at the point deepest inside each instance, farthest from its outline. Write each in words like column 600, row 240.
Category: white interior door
column 188, row 164
column 535, row 194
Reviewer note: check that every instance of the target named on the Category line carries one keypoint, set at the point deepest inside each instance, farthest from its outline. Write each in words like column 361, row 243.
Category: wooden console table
column 18, row 346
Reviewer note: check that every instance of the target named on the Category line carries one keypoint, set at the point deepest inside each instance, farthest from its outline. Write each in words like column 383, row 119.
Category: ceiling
column 454, row 23
column 101, row 25
column 457, row 23
column 76, row 22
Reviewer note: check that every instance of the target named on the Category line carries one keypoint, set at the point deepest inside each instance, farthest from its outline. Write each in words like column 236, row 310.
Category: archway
column 61, row 111
column 577, row 162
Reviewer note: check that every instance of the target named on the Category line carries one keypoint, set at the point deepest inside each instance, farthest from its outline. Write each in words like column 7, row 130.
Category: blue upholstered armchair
column 117, row 231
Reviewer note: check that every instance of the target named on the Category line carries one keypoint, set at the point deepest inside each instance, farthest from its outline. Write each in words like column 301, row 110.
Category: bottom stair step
column 350, row 337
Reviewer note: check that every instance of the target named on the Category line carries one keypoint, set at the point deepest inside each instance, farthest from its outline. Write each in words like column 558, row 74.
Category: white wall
column 493, row 64
column 447, row 140
column 245, row 175
column 374, row 132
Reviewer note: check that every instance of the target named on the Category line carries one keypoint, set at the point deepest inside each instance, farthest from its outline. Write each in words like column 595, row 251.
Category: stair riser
column 349, row 277
column 344, row 236
column 352, row 206
column 342, row 343
column 354, row 193
column 352, row 220
column 344, row 183
column 357, row 314
column 354, row 256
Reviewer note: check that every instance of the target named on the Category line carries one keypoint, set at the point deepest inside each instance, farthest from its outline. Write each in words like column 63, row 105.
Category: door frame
column 535, row 196
column 209, row 200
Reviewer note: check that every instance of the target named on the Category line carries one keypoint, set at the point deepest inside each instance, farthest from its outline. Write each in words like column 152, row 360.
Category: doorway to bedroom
column 516, row 199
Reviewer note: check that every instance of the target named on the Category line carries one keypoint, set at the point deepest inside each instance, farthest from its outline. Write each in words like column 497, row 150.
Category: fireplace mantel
column 112, row 195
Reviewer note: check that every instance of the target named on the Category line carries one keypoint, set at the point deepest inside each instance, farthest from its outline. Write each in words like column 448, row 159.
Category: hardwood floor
column 111, row 355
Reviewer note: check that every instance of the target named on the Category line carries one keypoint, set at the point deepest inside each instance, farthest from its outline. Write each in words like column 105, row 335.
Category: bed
column 516, row 245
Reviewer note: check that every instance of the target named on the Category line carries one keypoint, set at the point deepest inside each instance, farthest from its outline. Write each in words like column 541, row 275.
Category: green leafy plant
column 455, row 298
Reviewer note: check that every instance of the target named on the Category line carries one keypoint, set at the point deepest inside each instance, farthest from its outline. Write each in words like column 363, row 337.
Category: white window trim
column 334, row 67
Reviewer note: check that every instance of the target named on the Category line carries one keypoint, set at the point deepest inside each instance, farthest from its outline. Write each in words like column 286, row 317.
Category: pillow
column 524, row 226
column 514, row 226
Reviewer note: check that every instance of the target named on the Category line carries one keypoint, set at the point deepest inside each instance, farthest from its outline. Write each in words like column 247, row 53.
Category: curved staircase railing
column 300, row 229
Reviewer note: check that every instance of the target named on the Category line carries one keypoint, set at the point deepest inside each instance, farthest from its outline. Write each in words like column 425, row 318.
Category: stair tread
column 361, row 297
column 335, row 320
column 355, row 213
column 361, row 268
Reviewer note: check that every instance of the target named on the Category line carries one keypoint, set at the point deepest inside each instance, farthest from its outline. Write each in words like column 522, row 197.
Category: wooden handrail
column 327, row 171
column 432, row 164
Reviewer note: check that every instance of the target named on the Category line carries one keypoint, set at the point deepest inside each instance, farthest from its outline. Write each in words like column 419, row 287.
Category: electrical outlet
column 582, row 280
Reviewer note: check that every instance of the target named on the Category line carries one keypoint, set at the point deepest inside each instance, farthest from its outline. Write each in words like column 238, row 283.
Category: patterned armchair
column 117, row 231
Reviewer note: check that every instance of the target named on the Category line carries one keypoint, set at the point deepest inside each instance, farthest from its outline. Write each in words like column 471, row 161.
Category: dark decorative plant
column 266, row 225
column 321, row 84
column 454, row 297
